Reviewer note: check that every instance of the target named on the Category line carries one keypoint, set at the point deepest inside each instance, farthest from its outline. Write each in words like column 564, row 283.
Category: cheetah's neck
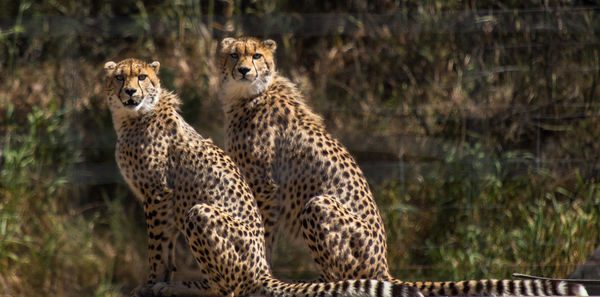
column 122, row 117
column 233, row 92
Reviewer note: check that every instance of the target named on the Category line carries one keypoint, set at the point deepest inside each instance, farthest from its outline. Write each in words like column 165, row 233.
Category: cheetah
column 187, row 184
column 306, row 183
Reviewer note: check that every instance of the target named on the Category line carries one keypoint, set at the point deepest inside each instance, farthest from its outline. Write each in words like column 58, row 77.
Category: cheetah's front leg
column 267, row 195
column 222, row 251
column 162, row 236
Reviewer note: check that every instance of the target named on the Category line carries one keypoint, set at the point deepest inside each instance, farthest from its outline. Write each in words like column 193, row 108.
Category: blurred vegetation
column 476, row 123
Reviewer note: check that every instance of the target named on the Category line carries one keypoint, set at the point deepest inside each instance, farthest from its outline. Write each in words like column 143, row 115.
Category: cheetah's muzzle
column 130, row 103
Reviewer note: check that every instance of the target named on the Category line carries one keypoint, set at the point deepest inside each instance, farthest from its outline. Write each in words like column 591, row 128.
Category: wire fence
column 476, row 165
column 577, row 20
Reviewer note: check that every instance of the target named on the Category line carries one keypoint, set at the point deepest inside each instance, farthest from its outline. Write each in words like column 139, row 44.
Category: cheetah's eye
column 142, row 76
column 119, row 77
column 257, row 56
column 235, row 56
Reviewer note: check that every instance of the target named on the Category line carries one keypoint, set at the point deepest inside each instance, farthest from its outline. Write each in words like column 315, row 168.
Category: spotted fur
column 188, row 185
column 307, row 184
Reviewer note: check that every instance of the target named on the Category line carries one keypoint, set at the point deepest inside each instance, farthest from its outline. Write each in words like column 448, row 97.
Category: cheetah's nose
column 130, row 91
column 243, row 70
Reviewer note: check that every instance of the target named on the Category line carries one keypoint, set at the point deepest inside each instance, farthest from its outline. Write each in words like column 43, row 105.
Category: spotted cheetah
column 306, row 183
column 188, row 185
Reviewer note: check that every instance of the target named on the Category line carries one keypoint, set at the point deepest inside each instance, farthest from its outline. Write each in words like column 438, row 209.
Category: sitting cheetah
column 188, row 185
column 307, row 183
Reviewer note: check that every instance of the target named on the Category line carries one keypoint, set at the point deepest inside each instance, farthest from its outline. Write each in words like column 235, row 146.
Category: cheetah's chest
column 141, row 161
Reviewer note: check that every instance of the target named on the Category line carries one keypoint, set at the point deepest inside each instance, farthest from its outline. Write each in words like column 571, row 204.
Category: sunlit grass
column 491, row 224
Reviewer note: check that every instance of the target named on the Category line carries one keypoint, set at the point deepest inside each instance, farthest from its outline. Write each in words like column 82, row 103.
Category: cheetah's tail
column 495, row 287
column 347, row 288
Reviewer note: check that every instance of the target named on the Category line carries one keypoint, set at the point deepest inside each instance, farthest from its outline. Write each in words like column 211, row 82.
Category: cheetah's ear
column 109, row 67
column 156, row 66
column 270, row 44
column 226, row 42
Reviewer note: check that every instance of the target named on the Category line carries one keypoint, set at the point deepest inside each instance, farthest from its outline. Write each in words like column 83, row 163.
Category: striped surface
column 494, row 287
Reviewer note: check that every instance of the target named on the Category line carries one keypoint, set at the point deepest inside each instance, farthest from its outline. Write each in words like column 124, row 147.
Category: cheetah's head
column 132, row 86
column 247, row 67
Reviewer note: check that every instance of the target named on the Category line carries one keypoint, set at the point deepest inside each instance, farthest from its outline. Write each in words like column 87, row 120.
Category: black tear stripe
column 235, row 50
column 122, row 82
column 141, row 89
column 130, row 74
column 255, row 69
column 121, row 88
column 233, row 70
column 224, row 62
column 152, row 82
